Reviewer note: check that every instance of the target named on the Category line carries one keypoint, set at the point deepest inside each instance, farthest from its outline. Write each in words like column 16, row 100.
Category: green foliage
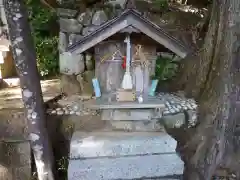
column 47, row 55
column 165, row 69
column 161, row 4
column 46, row 42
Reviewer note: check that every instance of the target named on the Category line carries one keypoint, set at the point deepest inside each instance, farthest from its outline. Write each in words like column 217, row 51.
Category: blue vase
column 153, row 87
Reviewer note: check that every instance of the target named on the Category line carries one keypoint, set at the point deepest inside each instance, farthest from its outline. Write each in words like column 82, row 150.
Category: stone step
column 10, row 82
column 125, row 167
column 135, row 126
column 108, row 144
column 121, row 155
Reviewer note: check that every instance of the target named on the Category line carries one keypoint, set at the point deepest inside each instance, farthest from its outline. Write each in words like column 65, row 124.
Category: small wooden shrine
column 125, row 51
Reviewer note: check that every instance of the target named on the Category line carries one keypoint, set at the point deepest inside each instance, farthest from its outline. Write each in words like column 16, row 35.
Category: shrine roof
column 131, row 18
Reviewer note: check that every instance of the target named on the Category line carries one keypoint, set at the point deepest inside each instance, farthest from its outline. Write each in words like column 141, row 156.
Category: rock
column 60, row 112
column 70, row 85
column 71, row 64
column 53, row 112
column 13, row 124
column 22, row 173
column 117, row 3
column 99, row 18
column 63, row 42
column 192, row 121
column 85, row 80
column 139, row 126
column 116, row 12
column 113, row 11
column 73, row 38
column 6, row 173
column 88, row 30
column 78, row 113
column 85, row 18
column 69, row 13
column 89, row 62
column 70, row 25
column 16, row 160
column 76, row 108
column 173, row 121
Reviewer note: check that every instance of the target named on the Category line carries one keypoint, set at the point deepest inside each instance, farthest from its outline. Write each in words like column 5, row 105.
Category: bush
column 47, row 55
column 166, row 69
column 46, row 43
column 160, row 4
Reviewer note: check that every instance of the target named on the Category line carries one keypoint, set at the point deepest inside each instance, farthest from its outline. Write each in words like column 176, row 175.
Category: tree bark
column 25, row 60
column 213, row 79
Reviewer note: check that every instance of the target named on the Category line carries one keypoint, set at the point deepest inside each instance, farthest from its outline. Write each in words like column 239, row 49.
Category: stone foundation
column 74, row 26
column 15, row 160
column 113, row 155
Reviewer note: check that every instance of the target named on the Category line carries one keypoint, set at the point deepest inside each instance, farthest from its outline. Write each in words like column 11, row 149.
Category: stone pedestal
column 70, row 85
column 121, row 155
column 15, row 160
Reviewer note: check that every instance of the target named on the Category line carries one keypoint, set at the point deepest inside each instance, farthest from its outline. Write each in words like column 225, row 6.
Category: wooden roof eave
column 130, row 17
column 52, row 4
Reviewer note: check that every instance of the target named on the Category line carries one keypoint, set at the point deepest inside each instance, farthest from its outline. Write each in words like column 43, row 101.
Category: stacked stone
column 78, row 69
column 74, row 25
column 175, row 104
column 71, row 111
column 179, row 111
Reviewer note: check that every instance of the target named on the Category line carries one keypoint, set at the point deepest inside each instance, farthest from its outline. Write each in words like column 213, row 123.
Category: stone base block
column 70, row 85
column 136, row 126
column 128, row 115
column 173, row 121
column 120, row 155
column 15, row 160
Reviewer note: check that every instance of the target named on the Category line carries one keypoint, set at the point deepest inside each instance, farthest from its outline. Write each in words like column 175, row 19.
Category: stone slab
column 15, row 160
column 71, row 64
column 70, row 25
column 125, row 167
column 99, row 18
column 123, row 155
column 88, row 30
column 111, row 103
column 63, row 42
column 69, row 13
column 85, row 17
column 173, row 121
column 128, row 115
column 136, row 126
column 112, row 144
column 69, row 85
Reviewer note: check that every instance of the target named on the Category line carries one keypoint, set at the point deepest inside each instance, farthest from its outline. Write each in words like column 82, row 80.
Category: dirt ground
column 12, row 98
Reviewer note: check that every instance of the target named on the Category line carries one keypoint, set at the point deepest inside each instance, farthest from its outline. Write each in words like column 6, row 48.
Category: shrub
column 166, row 68
column 47, row 55
column 46, row 43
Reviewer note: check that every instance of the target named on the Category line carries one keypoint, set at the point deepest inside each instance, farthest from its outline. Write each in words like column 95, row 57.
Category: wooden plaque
column 125, row 95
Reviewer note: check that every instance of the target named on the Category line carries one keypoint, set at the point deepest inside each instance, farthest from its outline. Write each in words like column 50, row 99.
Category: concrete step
column 10, row 82
column 121, row 155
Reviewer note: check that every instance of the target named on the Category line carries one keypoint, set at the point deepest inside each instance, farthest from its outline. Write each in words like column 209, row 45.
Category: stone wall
column 78, row 70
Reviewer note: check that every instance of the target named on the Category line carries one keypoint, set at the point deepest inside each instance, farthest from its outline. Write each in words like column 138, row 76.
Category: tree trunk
column 25, row 60
column 212, row 77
